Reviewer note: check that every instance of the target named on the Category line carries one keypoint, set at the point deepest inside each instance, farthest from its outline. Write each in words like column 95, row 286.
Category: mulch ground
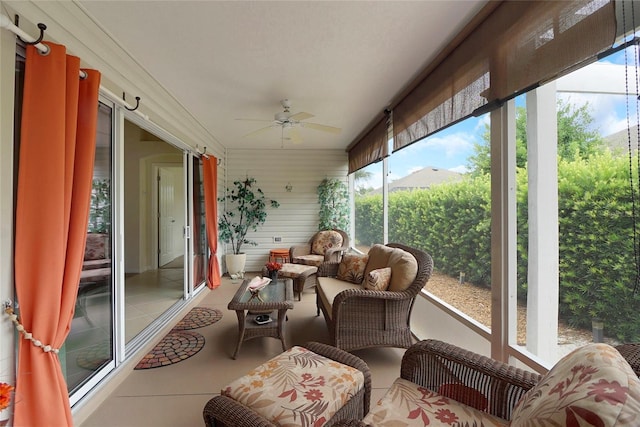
column 475, row 301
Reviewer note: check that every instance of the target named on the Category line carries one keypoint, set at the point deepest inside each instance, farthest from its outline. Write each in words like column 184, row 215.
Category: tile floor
column 147, row 296
column 175, row 395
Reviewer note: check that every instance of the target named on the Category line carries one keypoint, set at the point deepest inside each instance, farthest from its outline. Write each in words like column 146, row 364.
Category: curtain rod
column 5, row 22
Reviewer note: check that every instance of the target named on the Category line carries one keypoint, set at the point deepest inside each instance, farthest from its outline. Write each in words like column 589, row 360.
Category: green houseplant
column 245, row 209
column 333, row 197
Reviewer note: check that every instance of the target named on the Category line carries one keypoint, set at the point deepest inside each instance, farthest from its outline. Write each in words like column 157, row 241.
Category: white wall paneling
column 297, row 217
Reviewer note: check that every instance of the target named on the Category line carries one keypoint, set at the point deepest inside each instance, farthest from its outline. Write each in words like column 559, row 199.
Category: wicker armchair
column 223, row 411
column 361, row 318
column 305, row 254
column 432, row 364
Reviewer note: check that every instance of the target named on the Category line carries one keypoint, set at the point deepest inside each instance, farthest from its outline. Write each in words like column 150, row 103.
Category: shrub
column 597, row 269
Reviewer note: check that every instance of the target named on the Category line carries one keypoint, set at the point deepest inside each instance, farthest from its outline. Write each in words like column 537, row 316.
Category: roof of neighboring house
column 619, row 142
column 423, row 178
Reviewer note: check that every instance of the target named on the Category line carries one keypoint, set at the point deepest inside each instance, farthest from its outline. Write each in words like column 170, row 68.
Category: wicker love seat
column 360, row 314
column 444, row 385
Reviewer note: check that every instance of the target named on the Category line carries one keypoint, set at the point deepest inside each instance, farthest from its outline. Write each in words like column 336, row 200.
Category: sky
column 451, row 148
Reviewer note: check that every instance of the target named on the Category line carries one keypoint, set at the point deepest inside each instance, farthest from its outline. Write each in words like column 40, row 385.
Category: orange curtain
column 55, row 172
column 210, row 170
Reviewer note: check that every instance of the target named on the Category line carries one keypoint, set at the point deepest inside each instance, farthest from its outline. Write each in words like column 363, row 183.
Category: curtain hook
column 42, row 27
column 137, row 103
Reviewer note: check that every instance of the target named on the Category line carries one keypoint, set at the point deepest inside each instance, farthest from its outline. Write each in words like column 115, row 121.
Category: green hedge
column 597, row 267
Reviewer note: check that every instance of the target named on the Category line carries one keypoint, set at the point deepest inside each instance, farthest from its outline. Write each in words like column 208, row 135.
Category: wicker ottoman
column 304, row 276
column 315, row 384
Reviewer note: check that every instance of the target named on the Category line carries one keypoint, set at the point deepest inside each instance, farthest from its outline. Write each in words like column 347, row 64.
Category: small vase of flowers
column 272, row 270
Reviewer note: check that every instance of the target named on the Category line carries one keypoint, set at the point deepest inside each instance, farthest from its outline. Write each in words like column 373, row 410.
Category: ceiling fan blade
column 301, row 116
column 294, row 136
column 254, row 120
column 257, row 132
column 323, row 128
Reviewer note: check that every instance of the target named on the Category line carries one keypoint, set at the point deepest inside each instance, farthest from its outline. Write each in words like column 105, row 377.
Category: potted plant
column 245, row 209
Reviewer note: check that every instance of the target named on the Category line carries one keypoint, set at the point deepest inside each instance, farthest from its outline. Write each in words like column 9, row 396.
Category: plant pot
column 235, row 263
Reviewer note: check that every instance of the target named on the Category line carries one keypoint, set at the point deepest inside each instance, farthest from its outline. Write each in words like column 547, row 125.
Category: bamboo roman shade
column 520, row 45
column 371, row 148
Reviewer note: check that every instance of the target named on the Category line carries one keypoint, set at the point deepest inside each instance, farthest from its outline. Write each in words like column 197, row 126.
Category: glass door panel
column 154, row 212
column 89, row 346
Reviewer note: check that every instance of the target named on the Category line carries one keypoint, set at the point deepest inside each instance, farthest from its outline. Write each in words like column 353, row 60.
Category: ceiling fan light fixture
column 282, row 116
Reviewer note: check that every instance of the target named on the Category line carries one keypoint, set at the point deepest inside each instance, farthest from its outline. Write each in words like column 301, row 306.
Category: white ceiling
column 342, row 61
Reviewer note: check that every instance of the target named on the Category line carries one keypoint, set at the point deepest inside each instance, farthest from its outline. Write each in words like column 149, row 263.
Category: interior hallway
column 175, row 395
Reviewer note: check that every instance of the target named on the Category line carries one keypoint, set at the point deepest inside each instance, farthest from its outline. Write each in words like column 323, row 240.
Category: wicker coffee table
column 274, row 299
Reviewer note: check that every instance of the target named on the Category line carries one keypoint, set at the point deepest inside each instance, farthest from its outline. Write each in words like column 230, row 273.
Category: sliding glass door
column 154, row 224
column 89, row 346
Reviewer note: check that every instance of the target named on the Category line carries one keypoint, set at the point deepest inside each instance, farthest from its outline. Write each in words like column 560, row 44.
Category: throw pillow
column 351, row 268
column 378, row 280
column 593, row 383
column 326, row 240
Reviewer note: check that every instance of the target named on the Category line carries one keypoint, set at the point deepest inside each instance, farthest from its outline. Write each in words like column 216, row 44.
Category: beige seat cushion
column 298, row 387
column 404, row 266
column 329, row 287
column 593, row 383
column 407, row 404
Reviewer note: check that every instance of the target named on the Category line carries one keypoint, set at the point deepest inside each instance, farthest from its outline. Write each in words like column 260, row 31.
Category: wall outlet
column 277, row 239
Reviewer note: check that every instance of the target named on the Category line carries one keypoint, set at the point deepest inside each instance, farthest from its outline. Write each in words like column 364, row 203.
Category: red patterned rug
column 175, row 347
column 180, row 344
column 198, row 317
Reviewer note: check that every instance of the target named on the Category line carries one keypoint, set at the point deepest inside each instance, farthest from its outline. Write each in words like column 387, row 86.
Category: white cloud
column 460, row 169
column 451, row 145
column 608, row 111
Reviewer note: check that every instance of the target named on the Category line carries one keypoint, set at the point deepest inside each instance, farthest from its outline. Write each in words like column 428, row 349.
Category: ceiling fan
column 286, row 120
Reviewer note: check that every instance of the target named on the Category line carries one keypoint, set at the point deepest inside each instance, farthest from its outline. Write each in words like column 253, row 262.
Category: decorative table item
column 273, row 268
column 256, row 284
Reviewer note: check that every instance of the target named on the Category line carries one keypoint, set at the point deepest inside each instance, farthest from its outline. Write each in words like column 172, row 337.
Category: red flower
column 5, row 395
column 446, row 416
column 273, row 266
column 313, row 395
column 611, row 392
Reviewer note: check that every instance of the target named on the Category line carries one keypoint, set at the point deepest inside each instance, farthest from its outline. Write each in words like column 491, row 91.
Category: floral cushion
column 326, row 240
column 407, row 404
column 378, row 280
column 312, row 260
column 351, row 267
column 298, row 387
column 591, row 386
